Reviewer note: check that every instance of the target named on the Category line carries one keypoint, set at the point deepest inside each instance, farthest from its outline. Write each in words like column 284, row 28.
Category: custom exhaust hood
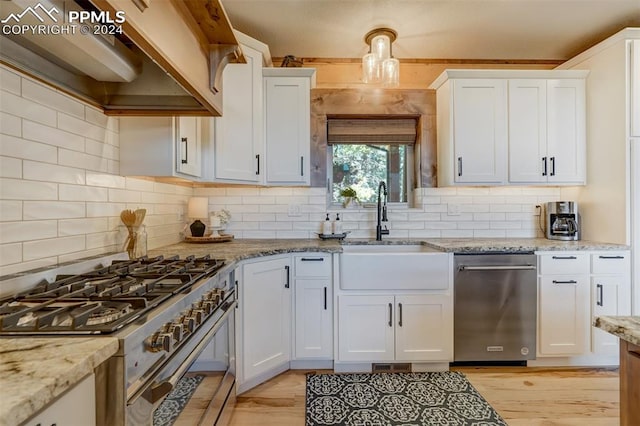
column 162, row 57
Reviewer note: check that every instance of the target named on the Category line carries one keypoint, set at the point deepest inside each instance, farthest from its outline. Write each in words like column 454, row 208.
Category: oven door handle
column 156, row 391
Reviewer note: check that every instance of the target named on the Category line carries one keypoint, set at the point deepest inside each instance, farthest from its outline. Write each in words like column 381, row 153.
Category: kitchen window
column 364, row 151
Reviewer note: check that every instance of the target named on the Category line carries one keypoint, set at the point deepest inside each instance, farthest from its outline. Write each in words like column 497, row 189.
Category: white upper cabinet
column 472, row 132
column 510, row 127
column 547, row 131
column 287, row 117
column 635, row 88
column 161, row 146
column 238, row 133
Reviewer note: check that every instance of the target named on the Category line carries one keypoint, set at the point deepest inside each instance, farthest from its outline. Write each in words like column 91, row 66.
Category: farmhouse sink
column 394, row 267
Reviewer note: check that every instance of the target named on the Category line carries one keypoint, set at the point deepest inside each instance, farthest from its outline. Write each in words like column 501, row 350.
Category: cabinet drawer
column 564, row 263
column 610, row 263
column 313, row 265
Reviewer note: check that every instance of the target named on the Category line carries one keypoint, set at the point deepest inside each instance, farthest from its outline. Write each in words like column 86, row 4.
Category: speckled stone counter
column 487, row 245
column 626, row 328
column 245, row 249
column 35, row 371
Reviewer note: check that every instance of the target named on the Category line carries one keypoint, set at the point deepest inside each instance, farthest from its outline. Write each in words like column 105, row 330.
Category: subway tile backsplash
column 61, row 193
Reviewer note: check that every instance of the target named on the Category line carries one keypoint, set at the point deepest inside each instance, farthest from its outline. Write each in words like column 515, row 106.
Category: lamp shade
column 198, row 207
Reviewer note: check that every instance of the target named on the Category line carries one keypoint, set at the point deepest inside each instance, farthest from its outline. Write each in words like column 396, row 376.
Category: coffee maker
column 563, row 221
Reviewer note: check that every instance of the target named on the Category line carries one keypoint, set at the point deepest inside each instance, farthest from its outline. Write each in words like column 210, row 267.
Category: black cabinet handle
column 325, row 298
column 459, row 166
column 564, row 257
column 390, row 314
column 553, row 166
column 286, row 284
column 185, row 157
column 312, row 259
column 565, row 282
column 599, row 300
column 544, row 164
column 257, row 164
column 400, row 312
column 301, row 166
column 611, row 257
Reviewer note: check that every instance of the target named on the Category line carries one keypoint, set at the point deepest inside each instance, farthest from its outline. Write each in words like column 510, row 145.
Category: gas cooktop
column 104, row 300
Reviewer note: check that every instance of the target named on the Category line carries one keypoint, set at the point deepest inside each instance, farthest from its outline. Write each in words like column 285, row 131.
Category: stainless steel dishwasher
column 495, row 307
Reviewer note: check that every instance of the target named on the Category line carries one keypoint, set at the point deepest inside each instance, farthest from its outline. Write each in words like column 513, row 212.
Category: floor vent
column 391, row 368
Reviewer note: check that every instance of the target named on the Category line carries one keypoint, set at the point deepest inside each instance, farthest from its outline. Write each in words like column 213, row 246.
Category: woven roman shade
column 402, row 131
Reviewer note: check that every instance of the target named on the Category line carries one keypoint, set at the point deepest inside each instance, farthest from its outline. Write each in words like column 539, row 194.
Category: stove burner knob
column 160, row 342
column 176, row 329
column 208, row 306
column 189, row 323
column 199, row 315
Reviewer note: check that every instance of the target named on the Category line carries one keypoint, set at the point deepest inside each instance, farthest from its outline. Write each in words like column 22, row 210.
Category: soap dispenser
column 337, row 225
column 326, row 226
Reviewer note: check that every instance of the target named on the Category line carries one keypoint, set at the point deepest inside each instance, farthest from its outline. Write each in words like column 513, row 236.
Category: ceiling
column 430, row 29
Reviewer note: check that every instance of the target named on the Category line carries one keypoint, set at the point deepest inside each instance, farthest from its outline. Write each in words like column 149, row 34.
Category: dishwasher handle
column 498, row 268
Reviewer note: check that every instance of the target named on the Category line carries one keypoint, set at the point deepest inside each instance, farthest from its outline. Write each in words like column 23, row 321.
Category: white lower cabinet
column 313, row 319
column 411, row 327
column 610, row 295
column 76, row 407
column 264, row 326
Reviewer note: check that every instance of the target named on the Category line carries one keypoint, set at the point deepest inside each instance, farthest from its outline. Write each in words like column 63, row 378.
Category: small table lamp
column 198, row 207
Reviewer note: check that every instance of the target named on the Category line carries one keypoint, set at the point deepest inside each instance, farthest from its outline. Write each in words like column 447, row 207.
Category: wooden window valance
column 368, row 130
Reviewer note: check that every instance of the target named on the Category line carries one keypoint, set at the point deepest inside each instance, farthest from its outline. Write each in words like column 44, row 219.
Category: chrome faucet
column 382, row 212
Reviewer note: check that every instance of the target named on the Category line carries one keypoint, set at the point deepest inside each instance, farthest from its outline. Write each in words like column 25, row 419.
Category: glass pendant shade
column 391, row 72
column 371, row 72
column 381, row 47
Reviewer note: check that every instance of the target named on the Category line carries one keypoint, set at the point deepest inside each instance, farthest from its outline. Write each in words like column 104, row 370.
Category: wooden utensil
column 128, row 217
column 140, row 214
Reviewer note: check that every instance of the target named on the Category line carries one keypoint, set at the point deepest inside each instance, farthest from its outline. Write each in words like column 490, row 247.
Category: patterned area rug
column 169, row 410
column 396, row 399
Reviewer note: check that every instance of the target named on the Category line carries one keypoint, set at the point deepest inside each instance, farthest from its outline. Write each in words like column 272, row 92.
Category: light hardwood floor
column 522, row 396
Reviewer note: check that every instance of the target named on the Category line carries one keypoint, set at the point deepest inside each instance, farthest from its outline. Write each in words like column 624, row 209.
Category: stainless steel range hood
column 141, row 72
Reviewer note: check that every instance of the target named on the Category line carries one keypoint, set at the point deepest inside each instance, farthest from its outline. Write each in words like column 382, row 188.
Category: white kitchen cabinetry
column 531, row 123
column 75, row 407
column 472, row 132
column 239, row 140
column 264, row 326
column 313, row 329
column 162, row 146
column 635, row 88
column 563, row 304
column 610, row 295
column 409, row 327
column 287, row 116
column 547, row 131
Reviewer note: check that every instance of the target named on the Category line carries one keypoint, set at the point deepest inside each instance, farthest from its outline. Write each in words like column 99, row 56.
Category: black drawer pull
column 325, row 298
column 312, row 259
column 565, row 282
column 611, row 257
column 564, row 257
column 599, row 299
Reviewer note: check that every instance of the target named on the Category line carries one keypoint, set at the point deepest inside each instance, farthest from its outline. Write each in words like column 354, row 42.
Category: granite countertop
column 486, row 245
column 35, row 371
column 626, row 328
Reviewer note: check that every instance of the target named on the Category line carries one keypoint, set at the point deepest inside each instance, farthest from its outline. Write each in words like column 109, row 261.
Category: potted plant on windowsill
column 349, row 196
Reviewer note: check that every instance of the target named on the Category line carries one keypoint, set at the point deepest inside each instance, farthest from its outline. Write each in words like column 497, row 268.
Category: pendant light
column 379, row 65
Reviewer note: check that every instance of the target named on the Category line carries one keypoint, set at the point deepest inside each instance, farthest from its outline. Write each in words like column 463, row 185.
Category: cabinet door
column 75, row 407
column 287, row 131
column 366, row 328
column 480, row 130
column 239, row 133
column 563, row 314
column 635, row 88
column 424, row 327
column 266, row 311
column 314, row 319
column 610, row 295
column 566, row 131
column 528, row 162
column 188, row 146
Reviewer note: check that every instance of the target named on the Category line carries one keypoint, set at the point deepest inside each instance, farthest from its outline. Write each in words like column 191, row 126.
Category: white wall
column 498, row 212
column 60, row 193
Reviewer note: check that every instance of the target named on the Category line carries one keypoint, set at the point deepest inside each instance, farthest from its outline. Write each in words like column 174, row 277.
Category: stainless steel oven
column 165, row 314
